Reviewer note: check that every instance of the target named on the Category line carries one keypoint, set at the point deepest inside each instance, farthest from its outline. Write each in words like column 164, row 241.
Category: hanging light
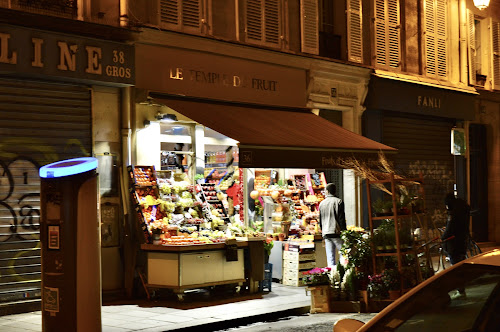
column 481, row 4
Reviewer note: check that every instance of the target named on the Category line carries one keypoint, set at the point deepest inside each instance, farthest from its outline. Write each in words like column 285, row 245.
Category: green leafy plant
column 391, row 279
column 376, row 286
column 356, row 247
column 378, row 238
column 377, row 206
column 268, row 246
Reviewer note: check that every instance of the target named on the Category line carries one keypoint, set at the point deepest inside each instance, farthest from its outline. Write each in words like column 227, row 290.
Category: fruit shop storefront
column 213, row 179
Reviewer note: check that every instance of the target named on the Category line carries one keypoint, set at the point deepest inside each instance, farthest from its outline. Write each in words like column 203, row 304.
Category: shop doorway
column 478, row 182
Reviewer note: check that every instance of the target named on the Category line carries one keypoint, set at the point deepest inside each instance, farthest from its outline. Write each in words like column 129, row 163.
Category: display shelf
column 398, row 218
column 208, row 191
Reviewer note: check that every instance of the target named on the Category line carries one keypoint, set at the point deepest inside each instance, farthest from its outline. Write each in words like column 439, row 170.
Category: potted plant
column 378, row 239
column 392, row 281
column 268, row 246
column 356, row 248
column 376, row 287
column 387, row 208
column 319, row 284
column 377, row 207
column 317, row 276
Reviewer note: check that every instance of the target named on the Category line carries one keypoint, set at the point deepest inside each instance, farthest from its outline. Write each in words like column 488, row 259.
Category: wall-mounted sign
column 37, row 52
column 198, row 74
column 53, row 240
column 402, row 96
column 458, row 145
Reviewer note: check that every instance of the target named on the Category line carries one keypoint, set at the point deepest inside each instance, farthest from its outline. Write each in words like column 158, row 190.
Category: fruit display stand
column 183, row 267
column 175, row 259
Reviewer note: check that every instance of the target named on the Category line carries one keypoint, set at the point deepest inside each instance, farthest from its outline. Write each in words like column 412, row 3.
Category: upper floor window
column 183, row 15
column 387, row 34
column 263, row 22
column 435, row 23
column 62, row 8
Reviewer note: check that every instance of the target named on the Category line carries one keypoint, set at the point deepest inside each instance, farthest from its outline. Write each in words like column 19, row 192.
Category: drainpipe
column 462, row 7
column 124, row 22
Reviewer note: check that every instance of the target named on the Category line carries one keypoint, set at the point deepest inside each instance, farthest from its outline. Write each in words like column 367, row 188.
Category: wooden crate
column 298, row 256
column 320, row 298
column 299, row 265
column 292, row 281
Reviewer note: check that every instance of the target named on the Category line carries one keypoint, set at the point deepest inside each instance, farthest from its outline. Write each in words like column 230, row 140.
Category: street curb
column 231, row 323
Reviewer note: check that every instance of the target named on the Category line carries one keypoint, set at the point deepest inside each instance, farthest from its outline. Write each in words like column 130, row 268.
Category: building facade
column 405, row 73
column 62, row 76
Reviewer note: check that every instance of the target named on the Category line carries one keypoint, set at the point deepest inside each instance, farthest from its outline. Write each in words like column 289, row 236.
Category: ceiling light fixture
column 481, row 4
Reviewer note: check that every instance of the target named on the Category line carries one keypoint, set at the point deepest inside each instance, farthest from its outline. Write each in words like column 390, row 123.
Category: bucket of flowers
column 319, row 284
column 317, row 276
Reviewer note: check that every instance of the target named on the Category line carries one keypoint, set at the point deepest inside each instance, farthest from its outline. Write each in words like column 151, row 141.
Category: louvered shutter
column 170, row 12
column 495, row 42
column 436, row 38
column 263, row 22
column 354, row 31
column 387, row 33
column 184, row 15
column 309, row 26
column 471, row 40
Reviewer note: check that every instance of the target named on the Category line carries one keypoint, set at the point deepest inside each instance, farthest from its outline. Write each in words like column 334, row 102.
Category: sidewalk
column 155, row 316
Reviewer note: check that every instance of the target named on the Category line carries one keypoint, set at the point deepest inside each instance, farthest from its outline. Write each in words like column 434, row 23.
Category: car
column 464, row 297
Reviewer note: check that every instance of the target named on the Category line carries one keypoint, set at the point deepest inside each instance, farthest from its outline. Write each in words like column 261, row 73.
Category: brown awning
column 278, row 138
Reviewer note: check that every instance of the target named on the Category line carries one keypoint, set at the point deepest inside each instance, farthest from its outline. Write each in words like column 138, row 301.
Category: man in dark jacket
column 457, row 225
column 332, row 220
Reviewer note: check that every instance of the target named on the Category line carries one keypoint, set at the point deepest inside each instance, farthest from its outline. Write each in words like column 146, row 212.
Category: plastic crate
column 268, row 277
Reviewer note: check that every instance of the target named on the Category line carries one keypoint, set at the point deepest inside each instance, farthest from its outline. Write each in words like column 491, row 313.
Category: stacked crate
column 295, row 263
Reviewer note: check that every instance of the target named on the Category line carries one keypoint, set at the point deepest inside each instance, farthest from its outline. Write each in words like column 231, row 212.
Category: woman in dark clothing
column 457, row 225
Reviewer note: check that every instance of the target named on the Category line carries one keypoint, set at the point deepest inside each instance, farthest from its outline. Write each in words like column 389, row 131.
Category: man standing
column 332, row 220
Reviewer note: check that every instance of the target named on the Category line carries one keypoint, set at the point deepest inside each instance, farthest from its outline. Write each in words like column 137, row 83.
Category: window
column 435, row 38
column 263, row 22
column 387, row 34
column 475, row 41
column 184, row 15
column 460, row 300
column 354, row 31
column 318, row 34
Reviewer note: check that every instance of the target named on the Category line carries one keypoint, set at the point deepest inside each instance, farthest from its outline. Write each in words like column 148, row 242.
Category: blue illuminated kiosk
column 71, row 251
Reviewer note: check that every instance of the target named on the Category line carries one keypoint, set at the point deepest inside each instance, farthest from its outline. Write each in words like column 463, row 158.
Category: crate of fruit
column 142, row 175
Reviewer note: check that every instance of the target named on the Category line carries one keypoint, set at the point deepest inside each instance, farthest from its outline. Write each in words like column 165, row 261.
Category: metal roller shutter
column 424, row 146
column 40, row 122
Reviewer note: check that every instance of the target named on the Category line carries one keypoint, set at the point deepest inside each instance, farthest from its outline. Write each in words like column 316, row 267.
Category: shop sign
column 35, row 52
column 401, row 96
column 198, row 74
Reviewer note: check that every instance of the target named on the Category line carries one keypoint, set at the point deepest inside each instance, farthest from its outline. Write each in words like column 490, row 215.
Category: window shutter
column 436, row 38
column 263, row 22
column 309, row 26
column 169, row 12
column 471, row 36
column 354, row 31
column 254, row 19
column 272, row 21
column 191, row 14
column 387, row 33
column 495, row 39
column 182, row 15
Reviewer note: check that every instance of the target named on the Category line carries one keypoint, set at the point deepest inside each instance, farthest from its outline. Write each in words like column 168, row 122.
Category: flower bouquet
column 317, row 276
column 376, row 286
